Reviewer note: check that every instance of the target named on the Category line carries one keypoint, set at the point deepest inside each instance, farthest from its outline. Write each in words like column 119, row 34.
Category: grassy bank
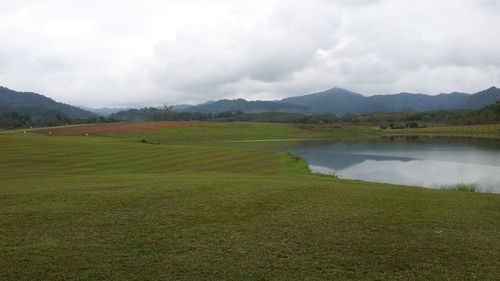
column 475, row 131
column 115, row 208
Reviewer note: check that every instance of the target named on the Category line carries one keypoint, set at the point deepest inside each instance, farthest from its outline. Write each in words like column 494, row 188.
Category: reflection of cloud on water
column 340, row 160
column 429, row 165
column 342, row 155
column 428, row 173
column 471, row 155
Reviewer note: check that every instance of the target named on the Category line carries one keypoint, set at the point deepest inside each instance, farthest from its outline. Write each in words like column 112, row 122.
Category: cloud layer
column 134, row 53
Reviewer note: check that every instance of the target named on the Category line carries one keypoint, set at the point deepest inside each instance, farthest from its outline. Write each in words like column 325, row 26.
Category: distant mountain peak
column 491, row 89
column 240, row 104
column 338, row 91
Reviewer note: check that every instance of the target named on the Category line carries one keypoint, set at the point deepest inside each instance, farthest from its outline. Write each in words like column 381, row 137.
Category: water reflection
column 428, row 163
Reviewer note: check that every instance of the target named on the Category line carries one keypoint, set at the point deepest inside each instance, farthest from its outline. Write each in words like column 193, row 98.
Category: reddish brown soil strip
column 113, row 128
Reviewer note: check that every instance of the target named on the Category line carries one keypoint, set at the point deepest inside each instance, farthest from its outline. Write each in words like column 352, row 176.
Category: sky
column 123, row 53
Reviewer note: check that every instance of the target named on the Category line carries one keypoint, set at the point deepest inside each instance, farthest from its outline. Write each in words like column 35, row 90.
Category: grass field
column 193, row 208
column 111, row 128
column 483, row 131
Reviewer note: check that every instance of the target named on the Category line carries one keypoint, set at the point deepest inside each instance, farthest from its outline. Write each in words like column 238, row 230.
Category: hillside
column 483, row 98
column 141, row 114
column 341, row 102
column 413, row 102
column 19, row 109
column 37, row 106
column 246, row 106
column 335, row 100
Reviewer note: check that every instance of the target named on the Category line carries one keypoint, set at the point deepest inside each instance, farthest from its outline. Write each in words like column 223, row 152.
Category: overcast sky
column 150, row 52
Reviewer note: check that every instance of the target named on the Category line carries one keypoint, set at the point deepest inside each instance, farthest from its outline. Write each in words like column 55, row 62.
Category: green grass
column 463, row 187
column 227, row 131
column 113, row 208
column 30, row 155
column 483, row 131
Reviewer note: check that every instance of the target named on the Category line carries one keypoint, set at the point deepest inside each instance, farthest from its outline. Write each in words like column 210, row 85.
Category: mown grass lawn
column 243, row 131
column 114, row 208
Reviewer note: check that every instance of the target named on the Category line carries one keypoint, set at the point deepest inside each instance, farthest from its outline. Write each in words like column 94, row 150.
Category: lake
column 416, row 161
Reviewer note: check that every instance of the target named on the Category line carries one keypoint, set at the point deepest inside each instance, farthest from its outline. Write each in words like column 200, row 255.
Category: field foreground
column 181, row 206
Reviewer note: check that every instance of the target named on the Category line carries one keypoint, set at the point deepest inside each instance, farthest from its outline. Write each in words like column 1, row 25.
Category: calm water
column 430, row 162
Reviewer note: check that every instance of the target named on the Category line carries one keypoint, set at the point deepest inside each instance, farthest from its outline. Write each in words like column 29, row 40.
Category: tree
column 168, row 111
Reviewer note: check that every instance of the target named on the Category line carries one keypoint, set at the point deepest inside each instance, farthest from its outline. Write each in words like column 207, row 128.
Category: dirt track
column 113, row 128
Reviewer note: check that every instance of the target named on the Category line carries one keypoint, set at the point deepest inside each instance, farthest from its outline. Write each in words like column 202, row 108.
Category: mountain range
column 333, row 101
column 341, row 102
column 245, row 106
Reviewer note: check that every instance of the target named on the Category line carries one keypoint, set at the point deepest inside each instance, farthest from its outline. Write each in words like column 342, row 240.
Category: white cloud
column 119, row 53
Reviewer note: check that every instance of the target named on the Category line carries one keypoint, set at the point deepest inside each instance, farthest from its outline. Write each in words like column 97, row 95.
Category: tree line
column 15, row 120
column 488, row 114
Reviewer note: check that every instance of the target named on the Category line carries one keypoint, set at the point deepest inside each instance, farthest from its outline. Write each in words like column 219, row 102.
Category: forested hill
column 245, row 106
column 341, row 102
column 22, row 108
column 35, row 104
